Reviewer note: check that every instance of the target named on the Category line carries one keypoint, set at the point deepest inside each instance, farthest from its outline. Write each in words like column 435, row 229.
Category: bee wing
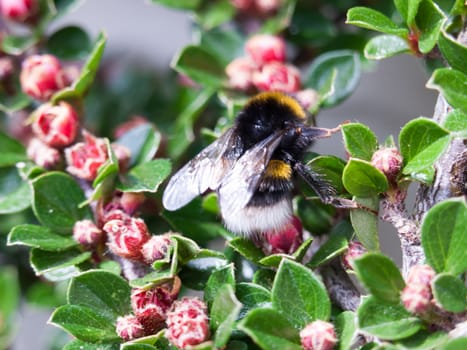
column 203, row 172
column 240, row 183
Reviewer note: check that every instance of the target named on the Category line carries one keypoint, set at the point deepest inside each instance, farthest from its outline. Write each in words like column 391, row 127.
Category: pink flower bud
column 242, row 5
column 416, row 298
column 129, row 328
column 156, row 248
column 85, row 158
column 354, row 251
column 285, row 240
column 18, row 10
column 308, row 98
column 240, row 73
column 277, row 76
column 187, row 323
column 122, row 154
column 318, row 335
column 151, row 306
column 56, row 125
column 41, row 76
column 388, row 161
column 267, row 6
column 86, row 233
column 42, row 154
column 126, row 237
column 421, row 274
column 131, row 201
column 265, row 48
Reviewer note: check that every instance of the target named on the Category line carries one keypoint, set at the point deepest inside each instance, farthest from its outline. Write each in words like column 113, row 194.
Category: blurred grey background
column 386, row 98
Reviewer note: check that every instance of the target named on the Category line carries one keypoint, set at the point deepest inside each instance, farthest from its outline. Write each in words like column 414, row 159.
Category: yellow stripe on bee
column 278, row 169
column 282, row 99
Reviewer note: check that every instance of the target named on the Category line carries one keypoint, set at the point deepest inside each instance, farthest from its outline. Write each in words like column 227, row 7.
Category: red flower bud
column 41, row 76
column 131, row 201
column 42, row 154
column 129, row 328
column 354, row 251
column 56, row 125
column 18, row 10
column 318, row 335
column 156, row 248
column 240, row 73
column 416, row 298
column 126, row 237
column 242, row 5
column 264, row 48
column 285, row 240
column 151, row 306
column 388, row 161
column 86, row 233
column 85, row 158
column 187, row 323
column 277, row 77
column 421, row 274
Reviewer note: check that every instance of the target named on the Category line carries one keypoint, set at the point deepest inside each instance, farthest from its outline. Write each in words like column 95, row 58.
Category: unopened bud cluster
column 417, row 294
column 388, row 161
column 286, row 240
column 318, row 335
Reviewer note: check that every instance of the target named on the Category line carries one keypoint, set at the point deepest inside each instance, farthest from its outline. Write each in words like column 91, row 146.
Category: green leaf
column 299, row 295
column 142, row 141
column 270, row 330
column 196, row 273
column 341, row 68
column 422, row 142
column 214, row 13
column 331, row 168
column 450, row 292
column 14, row 103
column 385, row 46
column 443, row 236
column 84, row 323
column 452, row 84
column 386, row 320
column 246, row 248
column 200, row 65
column 224, row 311
column 43, row 261
column 223, row 276
column 56, row 200
column 107, row 171
column 146, row 177
column 408, row 9
column 456, row 121
column 225, row 44
column 102, row 291
column 264, row 278
column 346, row 329
column 281, row 20
column 455, row 344
column 316, row 216
column 12, row 151
column 424, row 340
column 252, row 296
column 81, row 85
column 16, row 45
column 9, row 294
column 15, row 193
column 453, row 51
column 39, row 237
column 380, row 276
column 365, row 223
column 69, row 43
column 362, row 179
column 368, row 18
column 80, row 345
column 179, row 4
column 138, row 347
column 152, row 278
column 187, row 249
column 429, row 20
column 359, row 140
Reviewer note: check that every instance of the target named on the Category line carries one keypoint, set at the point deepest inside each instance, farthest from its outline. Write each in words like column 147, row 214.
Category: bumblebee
column 251, row 166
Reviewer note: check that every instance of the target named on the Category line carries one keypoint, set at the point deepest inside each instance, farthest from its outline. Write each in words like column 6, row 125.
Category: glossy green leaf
column 453, row 51
column 152, row 278
column 380, row 276
column 331, row 167
column 362, row 179
column 422, row 141
column 274, row 260
column 219, row 278
column 316, row 216
column 43, row 261
column 246, row 248
column 187, row 249
column 39, row 237
column 16, row 45
column 430, row 20
column 451, row 83
column 138, row 347
column 225, row 43
column 385, row 46
column 179, row 4
column 214, row 13
column 450, row 292
column 301, row 251
column 108, row 171
column 84, row 323
column 346, row 329
column 359, row 140
column 365, row 222
column 456, row 121
column 12, row 151
column 299, row 295
column 408, row 9
column 56, row 200
column 224, row 311
column 374, row 20
column 385, row 320
column 252, row 296
column 424, row 340
column 264, row 278
column 146, row 177
column 341, row 68
column 142, row 141
column 455, row 344
column 443, row 236
column 270, row 330
column 15, row 193
column 69, row 43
